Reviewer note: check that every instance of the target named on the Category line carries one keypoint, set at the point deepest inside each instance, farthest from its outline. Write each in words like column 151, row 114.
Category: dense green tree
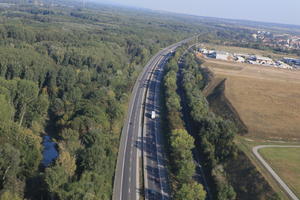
column 199, row 106
column 226, row 192
column 66, row 78
column 55, row 178
column 37, row 111
column 214, row 135
column 27, row 93
column 191, row 191
column 9, row 168
column 7, row 195
column 70, row 140
column 220, row 134
column 6, row 108
column 181, row 143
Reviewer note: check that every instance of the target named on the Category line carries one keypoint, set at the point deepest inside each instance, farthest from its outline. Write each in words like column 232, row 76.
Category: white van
column 153, row 115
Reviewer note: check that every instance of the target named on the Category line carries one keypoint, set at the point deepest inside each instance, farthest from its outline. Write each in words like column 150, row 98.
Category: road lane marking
column 155, row 133
column 126, row 141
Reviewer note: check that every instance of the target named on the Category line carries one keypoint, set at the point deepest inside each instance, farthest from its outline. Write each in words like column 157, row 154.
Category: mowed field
column 267, row 99
column 286, row 163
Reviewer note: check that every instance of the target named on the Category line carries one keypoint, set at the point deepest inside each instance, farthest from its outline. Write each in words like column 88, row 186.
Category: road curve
column 127, row 183
column 271, row 171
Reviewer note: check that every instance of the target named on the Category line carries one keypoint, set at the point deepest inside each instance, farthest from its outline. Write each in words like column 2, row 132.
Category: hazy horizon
column 264, row 11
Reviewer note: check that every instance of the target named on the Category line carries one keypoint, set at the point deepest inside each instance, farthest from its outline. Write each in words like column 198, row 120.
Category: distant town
column 284, row 63
column 284, row 41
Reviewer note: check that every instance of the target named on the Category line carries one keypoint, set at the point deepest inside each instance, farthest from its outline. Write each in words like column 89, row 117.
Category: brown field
column 267, row 99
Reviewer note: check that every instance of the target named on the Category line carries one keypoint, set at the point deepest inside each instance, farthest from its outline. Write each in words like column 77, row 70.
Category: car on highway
column 153, row 115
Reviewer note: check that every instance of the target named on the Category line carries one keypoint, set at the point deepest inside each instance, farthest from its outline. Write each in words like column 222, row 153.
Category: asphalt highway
column 140, row 151
column 155, row 171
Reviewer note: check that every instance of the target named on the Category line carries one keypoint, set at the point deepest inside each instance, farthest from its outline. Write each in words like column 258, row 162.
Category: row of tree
column 214, row 136
column 180, row 142
column 232, row 174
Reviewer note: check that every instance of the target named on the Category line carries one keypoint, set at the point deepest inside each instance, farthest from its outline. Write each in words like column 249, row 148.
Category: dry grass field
column 267, row 99
column 286, row 162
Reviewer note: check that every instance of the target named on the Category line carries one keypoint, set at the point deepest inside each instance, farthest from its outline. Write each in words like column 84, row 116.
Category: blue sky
column 280, row 11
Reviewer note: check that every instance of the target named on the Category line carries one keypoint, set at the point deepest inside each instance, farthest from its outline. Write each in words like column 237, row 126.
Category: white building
column 221, row 55
column 282, row 65
column 264, row 60
column 203, row 51
column 240, row 59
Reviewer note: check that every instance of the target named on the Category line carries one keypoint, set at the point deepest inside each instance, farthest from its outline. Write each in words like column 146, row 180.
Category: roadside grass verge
column 286, row 163
column 246, row 144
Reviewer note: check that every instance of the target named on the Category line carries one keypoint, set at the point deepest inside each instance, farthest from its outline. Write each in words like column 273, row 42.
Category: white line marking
column 124, row 153
column 157, row 159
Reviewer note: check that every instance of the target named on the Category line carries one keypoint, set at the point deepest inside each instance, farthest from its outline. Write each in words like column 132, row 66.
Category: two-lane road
column 129, row 168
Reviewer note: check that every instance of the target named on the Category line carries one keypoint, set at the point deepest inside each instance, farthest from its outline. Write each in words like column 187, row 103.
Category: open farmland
column 286, row 163
column 266, row 99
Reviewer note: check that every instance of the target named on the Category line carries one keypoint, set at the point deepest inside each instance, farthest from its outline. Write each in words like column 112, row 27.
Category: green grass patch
column 286, row 162
column 246, row 144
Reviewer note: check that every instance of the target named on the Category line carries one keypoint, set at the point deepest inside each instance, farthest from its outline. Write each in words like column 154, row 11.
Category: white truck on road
column 153, row 115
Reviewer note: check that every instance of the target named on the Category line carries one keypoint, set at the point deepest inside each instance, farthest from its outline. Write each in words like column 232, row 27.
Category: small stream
column 50, row 152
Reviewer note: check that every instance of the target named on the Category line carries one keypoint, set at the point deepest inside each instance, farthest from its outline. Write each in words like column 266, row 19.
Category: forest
column 67, row 72
column 214, row 137
column 179, row 142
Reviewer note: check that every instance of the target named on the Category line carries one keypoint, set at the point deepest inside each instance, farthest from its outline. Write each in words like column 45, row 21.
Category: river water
column 50, row 152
